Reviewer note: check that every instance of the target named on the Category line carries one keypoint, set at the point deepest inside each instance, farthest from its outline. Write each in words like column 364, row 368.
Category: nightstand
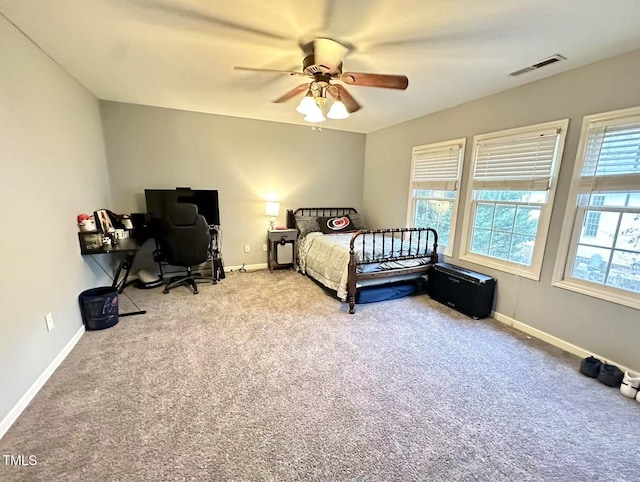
column 281, row 248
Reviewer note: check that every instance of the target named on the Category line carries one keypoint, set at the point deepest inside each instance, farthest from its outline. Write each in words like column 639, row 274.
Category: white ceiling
column 181, row 53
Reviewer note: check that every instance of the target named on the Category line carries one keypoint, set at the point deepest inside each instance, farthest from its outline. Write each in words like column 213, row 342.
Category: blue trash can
column 99, row 307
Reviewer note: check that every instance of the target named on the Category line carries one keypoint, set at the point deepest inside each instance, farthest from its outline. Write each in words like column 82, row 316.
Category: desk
column 129, row 247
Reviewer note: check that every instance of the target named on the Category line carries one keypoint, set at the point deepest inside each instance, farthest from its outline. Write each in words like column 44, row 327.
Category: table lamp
column 272, row 209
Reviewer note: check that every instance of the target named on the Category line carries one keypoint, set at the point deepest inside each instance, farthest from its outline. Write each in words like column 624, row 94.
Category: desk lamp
column 272, row 209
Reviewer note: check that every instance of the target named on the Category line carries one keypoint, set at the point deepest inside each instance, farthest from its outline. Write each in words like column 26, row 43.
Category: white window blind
column 524, row 161
column 598, row 251
column 436, row 167
column 612, row 156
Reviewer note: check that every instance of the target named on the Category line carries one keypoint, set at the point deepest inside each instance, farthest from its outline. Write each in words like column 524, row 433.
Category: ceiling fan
column 323, row 64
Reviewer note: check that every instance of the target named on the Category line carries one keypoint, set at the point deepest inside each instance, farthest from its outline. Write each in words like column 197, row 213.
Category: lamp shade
column 271, row 208
column 338, row 110
column 306, row 105
column 315, row 115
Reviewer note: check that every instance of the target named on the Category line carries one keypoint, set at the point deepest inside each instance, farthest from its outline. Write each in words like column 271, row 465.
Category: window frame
column 544, row 220
column 570, row 234
column 461, row 142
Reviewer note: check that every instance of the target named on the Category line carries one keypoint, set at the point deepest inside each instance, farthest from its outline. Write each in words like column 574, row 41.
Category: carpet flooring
column 264, row 376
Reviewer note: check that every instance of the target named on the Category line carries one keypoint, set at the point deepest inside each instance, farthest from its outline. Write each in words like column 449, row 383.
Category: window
column 433, row 193
column 600, row 243
column 592, row 221
column 511, row 195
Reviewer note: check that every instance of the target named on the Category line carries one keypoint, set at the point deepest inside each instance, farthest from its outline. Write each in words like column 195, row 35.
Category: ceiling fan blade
column 438, row 40
column 349, row 102
column 277, row 71
column 384, row 81
column 292, row 93
column 327, row 14
column 179, row 11
column 328, row 53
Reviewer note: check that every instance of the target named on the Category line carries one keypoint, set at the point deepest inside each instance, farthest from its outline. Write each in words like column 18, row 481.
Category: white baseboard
column 553, row 340
column 19, row 407
column 248, row 267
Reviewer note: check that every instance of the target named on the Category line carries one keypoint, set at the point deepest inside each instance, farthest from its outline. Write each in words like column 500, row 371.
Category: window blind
column 436, row 168
column 612, row 157
column 519, row 162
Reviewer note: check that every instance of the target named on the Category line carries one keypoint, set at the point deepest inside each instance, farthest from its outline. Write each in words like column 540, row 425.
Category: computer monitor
column 158, row 201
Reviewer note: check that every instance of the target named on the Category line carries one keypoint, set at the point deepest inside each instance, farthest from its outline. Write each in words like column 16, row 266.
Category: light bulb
column 338, row 110
column 315, row 115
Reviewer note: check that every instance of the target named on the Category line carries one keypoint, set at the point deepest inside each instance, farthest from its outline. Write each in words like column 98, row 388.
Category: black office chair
column 185, row 241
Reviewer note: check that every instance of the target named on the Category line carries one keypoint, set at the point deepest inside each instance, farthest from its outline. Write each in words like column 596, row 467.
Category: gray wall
column 598, row 326
column 243, row 159
column 52, row 167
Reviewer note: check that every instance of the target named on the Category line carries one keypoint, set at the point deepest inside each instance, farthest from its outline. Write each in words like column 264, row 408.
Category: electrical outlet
column 264, row 247
column 247, row 248
column 49, row 321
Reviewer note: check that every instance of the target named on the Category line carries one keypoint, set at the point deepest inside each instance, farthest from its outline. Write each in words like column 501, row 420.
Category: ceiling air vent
column 543, row 63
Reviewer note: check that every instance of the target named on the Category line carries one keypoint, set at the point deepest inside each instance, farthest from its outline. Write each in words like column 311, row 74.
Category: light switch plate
column 49, row 321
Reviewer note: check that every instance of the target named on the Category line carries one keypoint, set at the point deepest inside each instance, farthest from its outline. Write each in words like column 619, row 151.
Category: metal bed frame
column 405, row 244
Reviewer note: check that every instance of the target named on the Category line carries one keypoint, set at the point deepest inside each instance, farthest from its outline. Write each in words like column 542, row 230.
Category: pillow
column 336, row 224
column 358, row 221
column 306, row 225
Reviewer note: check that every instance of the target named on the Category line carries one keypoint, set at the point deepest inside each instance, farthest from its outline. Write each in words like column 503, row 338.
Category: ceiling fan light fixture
column 307, row 104
column 323, row 64
column 338, row 110
column 315, row 115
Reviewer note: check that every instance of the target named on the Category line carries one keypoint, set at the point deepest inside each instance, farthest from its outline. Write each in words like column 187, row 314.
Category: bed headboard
column 316, row 212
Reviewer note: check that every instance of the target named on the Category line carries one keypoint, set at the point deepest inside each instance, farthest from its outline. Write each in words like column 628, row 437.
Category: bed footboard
column 386, row 246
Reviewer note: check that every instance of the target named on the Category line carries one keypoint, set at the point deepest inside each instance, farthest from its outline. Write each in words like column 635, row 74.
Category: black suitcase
column 466, row 291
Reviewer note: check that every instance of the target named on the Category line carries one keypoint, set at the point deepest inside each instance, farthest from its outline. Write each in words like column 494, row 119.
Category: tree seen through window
column 505, row 231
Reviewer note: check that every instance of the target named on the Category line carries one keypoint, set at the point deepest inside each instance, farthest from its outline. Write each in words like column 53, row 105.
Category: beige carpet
column 266, row 377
